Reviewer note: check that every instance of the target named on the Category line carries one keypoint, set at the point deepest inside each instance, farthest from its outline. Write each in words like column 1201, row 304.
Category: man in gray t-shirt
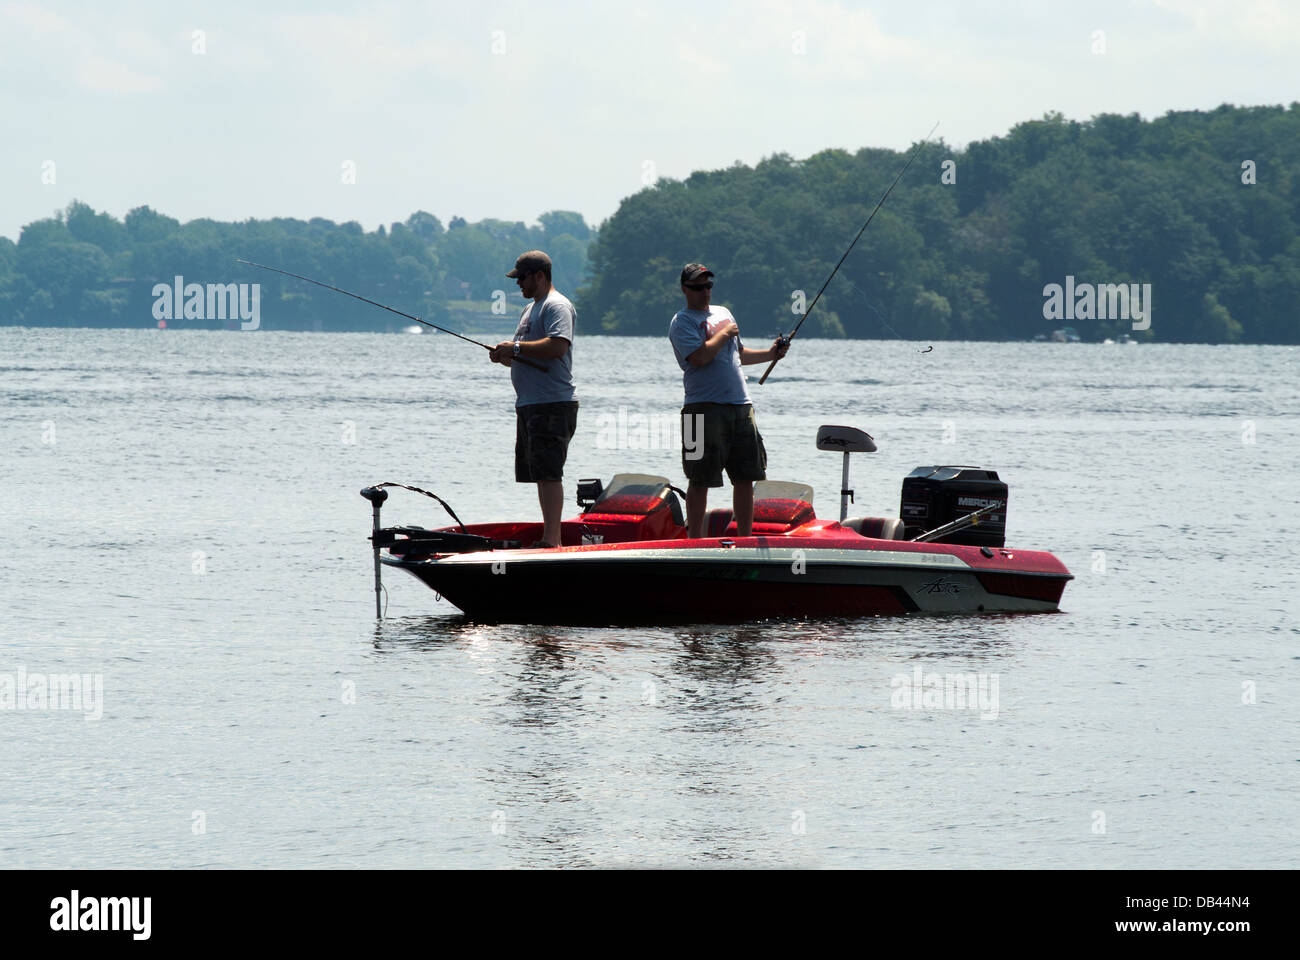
column 718, row 428
column 546, row 410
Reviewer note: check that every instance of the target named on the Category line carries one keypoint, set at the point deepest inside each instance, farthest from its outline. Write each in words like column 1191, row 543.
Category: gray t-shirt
column 721, row 380
column 553, row 317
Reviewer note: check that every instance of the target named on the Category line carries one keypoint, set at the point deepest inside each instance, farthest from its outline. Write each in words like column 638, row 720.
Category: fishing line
column 881, row 203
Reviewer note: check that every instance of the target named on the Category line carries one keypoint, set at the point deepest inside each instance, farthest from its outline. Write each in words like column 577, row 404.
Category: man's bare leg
column 742, row 507
column 697, row 505
column 550, row 494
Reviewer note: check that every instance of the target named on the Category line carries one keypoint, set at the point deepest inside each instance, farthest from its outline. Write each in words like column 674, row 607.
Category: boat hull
column 726, row 581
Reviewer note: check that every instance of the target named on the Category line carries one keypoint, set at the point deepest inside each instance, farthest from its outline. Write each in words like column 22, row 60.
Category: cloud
column 97, row 59
column 1246, row 24
column 35, row 18
column 101, row 75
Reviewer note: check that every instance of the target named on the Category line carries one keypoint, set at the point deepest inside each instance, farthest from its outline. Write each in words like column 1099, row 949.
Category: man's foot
column 543, row 545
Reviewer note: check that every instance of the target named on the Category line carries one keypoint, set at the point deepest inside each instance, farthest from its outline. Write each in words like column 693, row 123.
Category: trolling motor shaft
column 376, row 496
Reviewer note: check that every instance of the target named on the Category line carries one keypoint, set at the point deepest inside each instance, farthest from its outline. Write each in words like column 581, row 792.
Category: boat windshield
column 783, row 490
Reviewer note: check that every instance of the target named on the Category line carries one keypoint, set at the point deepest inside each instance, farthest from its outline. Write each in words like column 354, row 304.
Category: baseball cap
column 530, row 261
column 695, row 272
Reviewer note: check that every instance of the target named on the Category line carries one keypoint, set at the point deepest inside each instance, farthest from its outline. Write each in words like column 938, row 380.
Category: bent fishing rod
column 356, row 296
column 787, row 339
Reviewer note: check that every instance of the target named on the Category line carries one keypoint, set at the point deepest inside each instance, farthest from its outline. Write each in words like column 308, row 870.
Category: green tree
column 558, row 223
column 146, row 225
column 100, row 229
column 60, row 273
column 1214, row 324
column 930, row 315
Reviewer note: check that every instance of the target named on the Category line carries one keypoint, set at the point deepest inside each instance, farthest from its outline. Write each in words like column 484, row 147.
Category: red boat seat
column 779, row 507
column 878, row 528
column 716, row 520
column 779, row 516
column 774, row 519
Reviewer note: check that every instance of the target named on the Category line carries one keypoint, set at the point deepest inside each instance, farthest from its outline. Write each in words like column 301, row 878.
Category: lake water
column 181, row 524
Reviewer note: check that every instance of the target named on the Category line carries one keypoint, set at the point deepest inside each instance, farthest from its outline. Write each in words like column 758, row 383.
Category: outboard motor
column 936, row 496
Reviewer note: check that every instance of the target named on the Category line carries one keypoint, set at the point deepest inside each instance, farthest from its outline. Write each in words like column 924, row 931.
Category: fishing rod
column 356, row 296
column 911, row 157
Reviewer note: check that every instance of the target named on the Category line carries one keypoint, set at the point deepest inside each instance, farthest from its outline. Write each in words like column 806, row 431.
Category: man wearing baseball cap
column 718, row 427
column 546, row 411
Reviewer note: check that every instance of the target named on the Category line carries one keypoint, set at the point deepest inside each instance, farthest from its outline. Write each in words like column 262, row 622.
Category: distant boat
column 413, row 328
column 1065, row 335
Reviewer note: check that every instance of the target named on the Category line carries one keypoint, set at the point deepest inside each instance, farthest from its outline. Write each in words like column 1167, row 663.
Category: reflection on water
column 596, row 741
column 609, row 730
column 547, row 688
column 723, row 656
column 404, row 634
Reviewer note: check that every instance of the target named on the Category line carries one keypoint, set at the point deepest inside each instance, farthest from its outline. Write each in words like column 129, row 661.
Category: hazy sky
column 512, row 109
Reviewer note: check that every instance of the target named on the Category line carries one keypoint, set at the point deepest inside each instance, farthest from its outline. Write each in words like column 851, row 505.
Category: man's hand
column 713, row 343
column 780, row 346
column 503, row 352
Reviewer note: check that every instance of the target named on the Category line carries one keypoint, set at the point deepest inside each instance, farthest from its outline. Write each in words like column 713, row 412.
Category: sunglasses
column 706, row 285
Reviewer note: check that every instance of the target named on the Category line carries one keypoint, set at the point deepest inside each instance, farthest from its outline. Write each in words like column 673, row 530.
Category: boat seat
column 716, row 521
column 878, row 528
column 781, row 505
column 778, row 508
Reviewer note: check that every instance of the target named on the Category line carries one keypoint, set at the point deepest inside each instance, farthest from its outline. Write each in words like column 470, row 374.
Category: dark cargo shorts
column 542, row 435
column 730, row 439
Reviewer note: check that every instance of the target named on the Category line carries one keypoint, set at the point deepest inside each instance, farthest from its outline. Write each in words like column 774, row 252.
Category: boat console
column 635, row 506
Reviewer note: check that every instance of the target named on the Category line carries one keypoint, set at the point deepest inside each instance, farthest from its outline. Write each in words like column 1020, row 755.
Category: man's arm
column 547, row 348
column 778, row 349
column 705, row 354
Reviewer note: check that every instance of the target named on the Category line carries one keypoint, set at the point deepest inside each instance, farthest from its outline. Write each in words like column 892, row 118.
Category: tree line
column 83, row 268
column 1200, row 208
column 1203, row 206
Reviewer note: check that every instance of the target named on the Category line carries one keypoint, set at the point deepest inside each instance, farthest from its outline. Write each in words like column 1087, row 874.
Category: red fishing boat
column 625, row 558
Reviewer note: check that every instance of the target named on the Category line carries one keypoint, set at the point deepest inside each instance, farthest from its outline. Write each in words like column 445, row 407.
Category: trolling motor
column 376, row 496
column 413, row 543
